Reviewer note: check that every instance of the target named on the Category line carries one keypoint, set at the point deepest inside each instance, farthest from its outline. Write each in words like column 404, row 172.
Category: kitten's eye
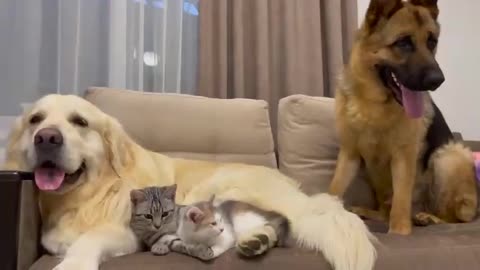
column 165, row 214
column 148, row 216
column 213, row 223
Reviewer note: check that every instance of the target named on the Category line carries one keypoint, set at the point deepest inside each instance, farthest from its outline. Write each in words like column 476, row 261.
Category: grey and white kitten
column 203, row 230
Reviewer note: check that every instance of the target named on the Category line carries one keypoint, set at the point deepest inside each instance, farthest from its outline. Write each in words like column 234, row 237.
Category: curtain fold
column 269, row 49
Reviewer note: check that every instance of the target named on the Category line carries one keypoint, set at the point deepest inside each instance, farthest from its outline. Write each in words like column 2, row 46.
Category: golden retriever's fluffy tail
column 323, row 224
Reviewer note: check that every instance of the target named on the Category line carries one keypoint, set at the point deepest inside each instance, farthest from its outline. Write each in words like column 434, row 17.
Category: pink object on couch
column 476, row 156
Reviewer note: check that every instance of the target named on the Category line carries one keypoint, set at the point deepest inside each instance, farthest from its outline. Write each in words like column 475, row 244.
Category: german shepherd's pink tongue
column 49, row 178
column 412, row 102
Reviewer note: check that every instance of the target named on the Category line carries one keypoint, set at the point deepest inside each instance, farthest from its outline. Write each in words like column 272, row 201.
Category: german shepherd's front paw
column 400, row 227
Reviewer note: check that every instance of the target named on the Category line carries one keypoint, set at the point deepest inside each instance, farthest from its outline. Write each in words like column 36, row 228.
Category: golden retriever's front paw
column 77, row 264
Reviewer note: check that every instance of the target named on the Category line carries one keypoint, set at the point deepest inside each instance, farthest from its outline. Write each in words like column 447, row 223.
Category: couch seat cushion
column 280, row 258
column 444, row 247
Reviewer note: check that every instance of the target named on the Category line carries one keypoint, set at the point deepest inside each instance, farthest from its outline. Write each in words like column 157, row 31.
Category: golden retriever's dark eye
column 36, row 118
column 405, row 44
column 432, row 42
column 79, row 121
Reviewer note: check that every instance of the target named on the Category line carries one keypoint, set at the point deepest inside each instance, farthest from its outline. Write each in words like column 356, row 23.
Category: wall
column 459, row 57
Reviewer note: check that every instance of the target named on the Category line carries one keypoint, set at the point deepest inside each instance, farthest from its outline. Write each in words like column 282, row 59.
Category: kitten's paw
column 254, row 245
column 159, row 249
column 77, row 264
column 202, row 252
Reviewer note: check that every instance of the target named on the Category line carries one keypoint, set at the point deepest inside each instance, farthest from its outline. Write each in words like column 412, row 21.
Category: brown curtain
column 269, row 49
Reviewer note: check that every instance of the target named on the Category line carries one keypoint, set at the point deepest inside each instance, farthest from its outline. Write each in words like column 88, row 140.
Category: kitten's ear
column 170, row 192
column 195, row 215
column 137, row 196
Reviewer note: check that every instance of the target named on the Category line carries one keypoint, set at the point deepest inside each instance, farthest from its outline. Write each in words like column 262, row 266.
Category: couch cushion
column 277, row 259
column 235, row 130
column 308, row 146
column 425, row 249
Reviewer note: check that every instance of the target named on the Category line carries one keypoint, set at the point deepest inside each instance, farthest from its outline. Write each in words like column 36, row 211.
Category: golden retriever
column 85, row 166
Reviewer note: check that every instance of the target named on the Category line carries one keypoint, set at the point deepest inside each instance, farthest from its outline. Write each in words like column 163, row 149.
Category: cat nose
column 221, row 230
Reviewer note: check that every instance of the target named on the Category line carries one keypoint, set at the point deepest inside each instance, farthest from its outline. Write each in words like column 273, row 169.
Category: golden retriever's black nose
column 48, row 138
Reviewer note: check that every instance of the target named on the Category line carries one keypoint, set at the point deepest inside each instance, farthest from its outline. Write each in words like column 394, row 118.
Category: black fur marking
column 438, row 134
column 418, row 18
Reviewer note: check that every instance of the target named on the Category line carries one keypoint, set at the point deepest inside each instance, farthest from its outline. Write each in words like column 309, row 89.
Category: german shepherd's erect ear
column 431, row 5
column 380, row 9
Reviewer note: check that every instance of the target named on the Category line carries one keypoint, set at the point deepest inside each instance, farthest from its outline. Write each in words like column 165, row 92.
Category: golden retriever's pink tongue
column 49, row 178
column 412, row 102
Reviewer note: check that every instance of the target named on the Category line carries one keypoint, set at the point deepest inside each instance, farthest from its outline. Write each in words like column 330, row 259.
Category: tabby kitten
column 203, row 230
column 155, row 221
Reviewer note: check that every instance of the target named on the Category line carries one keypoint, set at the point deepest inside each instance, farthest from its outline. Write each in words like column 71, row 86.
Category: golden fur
column 375, row 130
column 87, row 221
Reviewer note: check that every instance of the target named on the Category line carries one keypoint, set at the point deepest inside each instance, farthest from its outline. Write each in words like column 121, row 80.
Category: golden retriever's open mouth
column 49, row 176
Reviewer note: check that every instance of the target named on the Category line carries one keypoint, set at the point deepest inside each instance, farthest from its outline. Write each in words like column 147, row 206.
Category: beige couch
column 239, row 130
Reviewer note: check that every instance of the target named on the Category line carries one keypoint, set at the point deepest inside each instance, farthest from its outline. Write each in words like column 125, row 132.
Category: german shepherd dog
column 388, row 123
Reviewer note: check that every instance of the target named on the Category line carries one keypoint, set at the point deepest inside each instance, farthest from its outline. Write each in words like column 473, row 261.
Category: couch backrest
column 308, row 146
column 233, row 130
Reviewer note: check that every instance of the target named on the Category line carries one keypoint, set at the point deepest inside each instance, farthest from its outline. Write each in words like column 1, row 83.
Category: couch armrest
column 473, row 145
column 457, row 136
column 19, row 225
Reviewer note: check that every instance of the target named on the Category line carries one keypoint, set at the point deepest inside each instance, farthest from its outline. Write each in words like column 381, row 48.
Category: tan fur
column 453, row 194
column 77, row 220
column 374, row 128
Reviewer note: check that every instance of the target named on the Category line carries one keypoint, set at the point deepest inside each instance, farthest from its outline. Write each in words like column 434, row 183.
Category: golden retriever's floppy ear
column 431, row 5
column 13, row 158
column 119, row 146
column 380, row 9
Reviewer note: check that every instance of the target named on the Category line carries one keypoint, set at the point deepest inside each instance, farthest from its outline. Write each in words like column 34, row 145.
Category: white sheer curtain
column 65, row 46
